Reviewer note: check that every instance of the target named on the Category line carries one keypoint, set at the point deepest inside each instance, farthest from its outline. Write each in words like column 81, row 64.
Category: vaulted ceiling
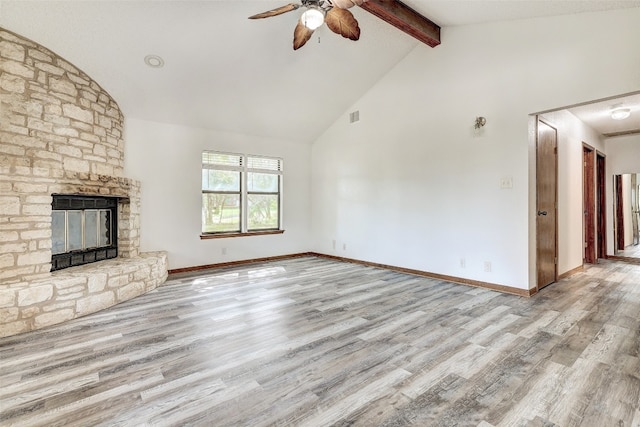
column 226, row 72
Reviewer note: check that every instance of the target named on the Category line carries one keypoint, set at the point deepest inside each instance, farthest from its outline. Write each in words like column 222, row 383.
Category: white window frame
column 246, row 161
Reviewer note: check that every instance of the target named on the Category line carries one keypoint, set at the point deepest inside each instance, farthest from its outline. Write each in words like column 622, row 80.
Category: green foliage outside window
column 233, row 182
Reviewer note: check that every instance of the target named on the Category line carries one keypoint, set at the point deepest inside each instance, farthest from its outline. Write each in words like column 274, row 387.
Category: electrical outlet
column 487, row 266
column 463, row 263
column 224, row 251
column 334, row 244
column 344, row 246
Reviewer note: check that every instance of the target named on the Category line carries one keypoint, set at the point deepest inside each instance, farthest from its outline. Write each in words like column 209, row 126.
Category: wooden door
column 546, row 204
column 635, row 209
column 588, row 205
column 619, row 214
column 601, row 213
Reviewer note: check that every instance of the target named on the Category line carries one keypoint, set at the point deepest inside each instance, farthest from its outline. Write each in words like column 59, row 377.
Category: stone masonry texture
column 60, row 133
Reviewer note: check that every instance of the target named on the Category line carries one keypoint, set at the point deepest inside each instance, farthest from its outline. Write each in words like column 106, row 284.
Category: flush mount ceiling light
column 620, row 113
column 154, row 61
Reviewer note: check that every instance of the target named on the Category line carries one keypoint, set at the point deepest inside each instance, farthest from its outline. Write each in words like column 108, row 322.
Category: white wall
column 623, row 157
column 572, row 133
column 167, row 160
column 413, row 185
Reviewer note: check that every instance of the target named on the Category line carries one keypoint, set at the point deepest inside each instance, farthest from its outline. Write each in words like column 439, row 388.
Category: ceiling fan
column 332, row 12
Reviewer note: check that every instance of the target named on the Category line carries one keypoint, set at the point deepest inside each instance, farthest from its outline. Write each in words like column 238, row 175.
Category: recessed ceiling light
column 154, row 61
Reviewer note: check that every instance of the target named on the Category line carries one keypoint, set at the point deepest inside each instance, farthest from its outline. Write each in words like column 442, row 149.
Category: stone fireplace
column 61, row 134
column 84, row 229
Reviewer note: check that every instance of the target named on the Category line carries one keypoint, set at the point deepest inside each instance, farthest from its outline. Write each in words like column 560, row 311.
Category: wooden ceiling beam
column 405, row 19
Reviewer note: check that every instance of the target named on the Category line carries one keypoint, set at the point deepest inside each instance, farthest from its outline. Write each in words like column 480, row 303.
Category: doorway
column 627, row 221
column 619, row 213
column 588, row 204
column 546, row 203
column 601, row 214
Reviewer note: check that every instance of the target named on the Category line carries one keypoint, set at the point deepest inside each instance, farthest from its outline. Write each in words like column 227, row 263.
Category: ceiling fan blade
column 342, row 22
column 301, row 35
column 279, row 11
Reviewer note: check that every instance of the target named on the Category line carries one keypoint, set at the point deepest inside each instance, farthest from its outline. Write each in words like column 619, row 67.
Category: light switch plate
column 506, row 182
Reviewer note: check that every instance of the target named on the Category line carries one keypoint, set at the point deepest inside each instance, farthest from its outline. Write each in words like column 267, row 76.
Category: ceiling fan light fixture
column 620, row 113
column 312, row 18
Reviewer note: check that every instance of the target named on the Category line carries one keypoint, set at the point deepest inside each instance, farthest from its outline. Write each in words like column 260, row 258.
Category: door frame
column 601, row 205
column 589, row 253
column 618, row 207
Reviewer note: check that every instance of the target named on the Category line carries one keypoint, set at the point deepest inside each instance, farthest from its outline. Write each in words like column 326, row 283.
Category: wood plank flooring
column 317, row 342
column 631, row 251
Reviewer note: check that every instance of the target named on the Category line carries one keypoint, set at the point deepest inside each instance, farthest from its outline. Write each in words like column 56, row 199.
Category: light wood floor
column 632, row 251
column 315, row 342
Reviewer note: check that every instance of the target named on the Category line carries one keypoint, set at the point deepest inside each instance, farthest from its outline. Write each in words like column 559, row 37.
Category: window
column 240, row 193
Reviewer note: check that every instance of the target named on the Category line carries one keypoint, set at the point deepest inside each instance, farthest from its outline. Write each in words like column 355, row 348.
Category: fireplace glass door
column 77, row 230
column 84, row 229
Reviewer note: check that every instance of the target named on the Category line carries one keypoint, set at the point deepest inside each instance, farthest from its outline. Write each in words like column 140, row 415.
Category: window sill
column 251, row 233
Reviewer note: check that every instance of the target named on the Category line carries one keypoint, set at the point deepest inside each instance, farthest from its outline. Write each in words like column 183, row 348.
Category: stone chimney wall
column 53, row 115
column 60, row 132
